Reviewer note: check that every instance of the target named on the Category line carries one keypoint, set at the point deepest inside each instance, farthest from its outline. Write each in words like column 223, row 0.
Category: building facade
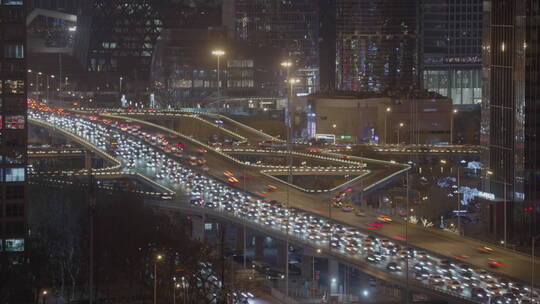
column 121, row 36
column 451, row 56
column 184, row 71
column 13, row 147
column 67, row 6
column 376, row 44
column 289, row 26
column 407, row 117
column 327, row 44
column 510, row 114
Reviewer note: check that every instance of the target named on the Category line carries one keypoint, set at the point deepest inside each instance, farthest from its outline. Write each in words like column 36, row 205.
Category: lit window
column 14, row 86
column 14, row 244
column 15, row 122
column 13, row 2
column 14, row 51
column 15, row 157
column 14, row 174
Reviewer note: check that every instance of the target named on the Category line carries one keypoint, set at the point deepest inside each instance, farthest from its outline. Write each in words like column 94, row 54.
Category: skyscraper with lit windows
column 451, row 58
column 289, row 26
column 376, row 44
column 511, row 115
column 13, row 128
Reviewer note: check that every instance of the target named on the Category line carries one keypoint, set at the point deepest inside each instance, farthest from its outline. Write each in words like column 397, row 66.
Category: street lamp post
column 48, row 87
column 120, row 86
column 291, row 81
column 388, row 109
column 176, row 286
column 533, row 258
column 454, row 112
column 458, row 204
column 218, row 54
column 158, row 258
column 444, row 162
column 313, row 271
column 504, row 241
column 37, row 82
column 44, row 293
column 400, row 126
column 287, row 65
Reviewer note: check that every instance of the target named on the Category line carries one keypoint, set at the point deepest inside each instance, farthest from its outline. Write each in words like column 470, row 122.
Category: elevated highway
column 438, row 242
column 450, row 245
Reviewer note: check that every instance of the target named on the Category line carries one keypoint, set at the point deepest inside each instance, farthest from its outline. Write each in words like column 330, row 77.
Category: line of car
column 207, row 192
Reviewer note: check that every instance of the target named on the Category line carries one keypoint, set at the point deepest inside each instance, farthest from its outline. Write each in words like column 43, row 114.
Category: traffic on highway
column 168, row 162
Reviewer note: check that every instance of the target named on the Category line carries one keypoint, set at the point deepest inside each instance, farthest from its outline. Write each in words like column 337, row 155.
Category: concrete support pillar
column 222, row 238
column 87, row 160
column 405, row 296
column 333, row 276
column 197, row 228
column 307, row 267
column 281, row 254
column 259, row 248
column 240, row 239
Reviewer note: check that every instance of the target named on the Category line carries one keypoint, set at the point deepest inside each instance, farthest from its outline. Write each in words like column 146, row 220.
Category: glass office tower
column 376, row 44
column 451, row 39
column 289, row 26
column 511, row 111
column 13, row 128
column 120, row 36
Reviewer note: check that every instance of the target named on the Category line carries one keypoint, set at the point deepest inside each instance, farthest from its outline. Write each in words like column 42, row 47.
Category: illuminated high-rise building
column 376, row 44
column 511, row 116
column 451, row 56
column 289, row 26
column 13, row 127
column 119, row 36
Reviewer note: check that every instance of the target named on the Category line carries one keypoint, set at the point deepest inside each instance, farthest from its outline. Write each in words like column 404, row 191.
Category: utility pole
column 60, row 79
column 407, row 241
column 244, row 223
column 222, row 251
column 458, row 204
column 91, row 211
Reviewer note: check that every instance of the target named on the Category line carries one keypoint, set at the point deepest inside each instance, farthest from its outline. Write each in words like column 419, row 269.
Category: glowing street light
column 37, row 81
column 400, row 126
column 218, row 53
column 286, row 64
column 454, row 112
column 388, row 109
column 44, row 293
column 176, row 286
column 159, row 257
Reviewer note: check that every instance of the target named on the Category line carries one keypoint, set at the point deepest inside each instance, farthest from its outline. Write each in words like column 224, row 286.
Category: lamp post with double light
column 287, row 65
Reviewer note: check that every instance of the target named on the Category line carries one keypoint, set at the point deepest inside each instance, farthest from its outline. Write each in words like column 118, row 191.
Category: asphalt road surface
column 516, row 265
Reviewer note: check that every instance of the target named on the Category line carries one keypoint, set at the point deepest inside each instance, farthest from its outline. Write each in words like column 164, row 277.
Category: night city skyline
column 265, row 151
